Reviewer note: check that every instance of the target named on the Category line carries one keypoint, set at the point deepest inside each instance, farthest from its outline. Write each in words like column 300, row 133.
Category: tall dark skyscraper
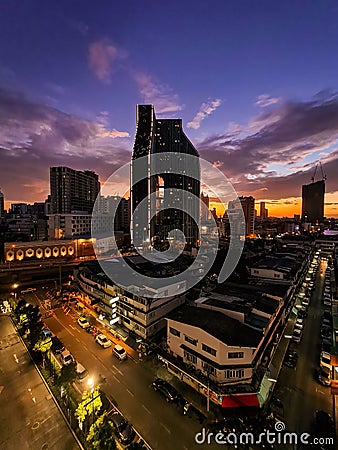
column 313, row 202
column 72, row 190
column 2, row 204
column 156, row 137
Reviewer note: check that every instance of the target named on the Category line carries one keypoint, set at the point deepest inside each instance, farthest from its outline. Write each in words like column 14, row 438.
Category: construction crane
column 324, row 177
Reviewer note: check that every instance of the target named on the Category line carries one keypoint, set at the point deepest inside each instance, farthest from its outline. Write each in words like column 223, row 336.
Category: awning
column 240, row 400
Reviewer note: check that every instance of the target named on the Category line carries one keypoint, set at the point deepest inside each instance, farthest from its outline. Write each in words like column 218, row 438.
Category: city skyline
column 255, row 86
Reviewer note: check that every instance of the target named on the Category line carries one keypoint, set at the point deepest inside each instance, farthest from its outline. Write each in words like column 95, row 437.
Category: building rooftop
column 224, row 328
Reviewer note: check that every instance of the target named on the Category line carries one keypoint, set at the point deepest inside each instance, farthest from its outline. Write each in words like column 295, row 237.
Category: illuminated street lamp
column 15, row 286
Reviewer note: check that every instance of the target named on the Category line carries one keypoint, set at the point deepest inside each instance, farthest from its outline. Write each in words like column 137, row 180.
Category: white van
column 66, row 358
column 119, row 352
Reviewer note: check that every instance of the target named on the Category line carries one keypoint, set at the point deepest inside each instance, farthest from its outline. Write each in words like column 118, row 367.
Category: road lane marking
column 129, row 392
column 144, row 407
column 116, row 379
column 166, row 428
column 119, row 371
column 71, row 326
column 16, row 358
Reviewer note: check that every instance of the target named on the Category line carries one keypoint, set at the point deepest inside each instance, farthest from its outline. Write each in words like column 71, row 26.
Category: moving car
column 166, row 389
column 119, row 352
column 103, row 340
column 123, row 430
column 28, row 290
column 57, row 345
column 83, row 322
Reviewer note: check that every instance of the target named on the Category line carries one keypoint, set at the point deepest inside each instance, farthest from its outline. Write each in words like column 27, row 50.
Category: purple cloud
column 34, row 137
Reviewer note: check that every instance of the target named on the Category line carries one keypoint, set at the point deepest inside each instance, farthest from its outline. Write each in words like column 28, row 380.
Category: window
column 208, row 349
column 189, row 357
column 235, row 355
column 208, row 368
column 190, row 340
column 236, row 373
column 174, row 332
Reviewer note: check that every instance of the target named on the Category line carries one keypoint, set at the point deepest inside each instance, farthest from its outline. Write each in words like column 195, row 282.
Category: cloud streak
column 265, row 100
column 34, row 137
column 160, row 95
column 205, row 110
column 101, row 55
column 284, row 135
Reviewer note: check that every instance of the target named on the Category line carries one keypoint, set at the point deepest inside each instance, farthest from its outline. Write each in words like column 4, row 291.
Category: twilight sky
column 256, row 84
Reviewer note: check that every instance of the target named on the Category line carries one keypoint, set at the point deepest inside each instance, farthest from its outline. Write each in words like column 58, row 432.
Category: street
column 298, row 388
column 130, row 385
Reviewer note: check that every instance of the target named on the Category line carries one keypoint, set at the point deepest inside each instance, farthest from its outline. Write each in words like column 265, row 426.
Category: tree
column 91, row 403
column 100, row 436
column 68, row 373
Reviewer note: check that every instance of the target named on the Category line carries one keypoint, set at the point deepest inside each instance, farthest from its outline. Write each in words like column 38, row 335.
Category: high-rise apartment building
column 248, row 206
column 263, row 212
column 313, row 202
column 73, row 190
column 166, row 208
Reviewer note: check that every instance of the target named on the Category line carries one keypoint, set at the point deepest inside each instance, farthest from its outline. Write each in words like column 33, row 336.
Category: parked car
column 26, row 291
column 327, row 302
column 327, row 323
column 325, row 332
column 83, row 322
column 191, row 411
column 123, row 430
column 327, row 315
column 305, row 302
column 297, row 335
column 119, row 352
column 66, row 358
column 326, row 346
column 302, row 312
column 166, row 389
column 324, row 376
column 103, row 340
column 46, row 333
column 300, row 320
column 325, row 360
column 57, row 345
column 290, row 359
column 299, row 326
